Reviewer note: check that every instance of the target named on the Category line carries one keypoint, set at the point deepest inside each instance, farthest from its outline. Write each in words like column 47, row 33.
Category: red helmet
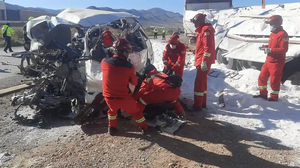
column 123, row 44
column 275, row 20
column 107, row 38
column 199, row 17
column 174, row 39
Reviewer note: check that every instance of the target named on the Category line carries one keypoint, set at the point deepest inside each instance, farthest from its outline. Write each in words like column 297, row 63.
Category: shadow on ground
column 203, row 131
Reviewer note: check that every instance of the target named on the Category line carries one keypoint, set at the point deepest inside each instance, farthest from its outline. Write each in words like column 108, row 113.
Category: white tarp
column 249, row 21
column 91, row 17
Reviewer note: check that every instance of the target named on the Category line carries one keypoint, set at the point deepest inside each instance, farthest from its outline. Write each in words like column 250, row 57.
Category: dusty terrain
column 202, row 143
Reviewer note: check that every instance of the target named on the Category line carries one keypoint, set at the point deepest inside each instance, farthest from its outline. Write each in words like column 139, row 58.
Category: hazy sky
column 172, row 5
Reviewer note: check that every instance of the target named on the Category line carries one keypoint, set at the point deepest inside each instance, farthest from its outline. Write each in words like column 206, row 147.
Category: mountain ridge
column 150, row 17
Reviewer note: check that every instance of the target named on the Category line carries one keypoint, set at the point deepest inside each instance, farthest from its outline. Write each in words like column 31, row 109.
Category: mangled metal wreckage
column 69, row 79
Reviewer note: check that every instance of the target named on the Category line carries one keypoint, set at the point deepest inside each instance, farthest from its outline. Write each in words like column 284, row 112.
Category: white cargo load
column 242, row 30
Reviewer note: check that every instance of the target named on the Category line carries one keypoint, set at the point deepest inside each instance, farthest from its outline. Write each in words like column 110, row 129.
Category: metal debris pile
column 59, row 86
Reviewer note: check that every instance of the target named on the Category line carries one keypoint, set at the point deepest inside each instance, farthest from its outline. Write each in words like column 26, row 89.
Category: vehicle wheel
column 23, row 65
column 246, row 64
column 257, row 65
column 232, row 64
column 220, row 58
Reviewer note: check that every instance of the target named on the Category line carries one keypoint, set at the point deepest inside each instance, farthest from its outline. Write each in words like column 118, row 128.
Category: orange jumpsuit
column 273, row 67
column 175, row 58
column 117, row 74
column 155, row 89
column 205, row 51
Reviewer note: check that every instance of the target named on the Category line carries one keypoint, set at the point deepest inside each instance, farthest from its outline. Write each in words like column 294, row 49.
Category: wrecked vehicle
column 57, row 58
column 122, row 25
column 70, row 78
column 60, row 82
column 46, row 33
column 129, row 28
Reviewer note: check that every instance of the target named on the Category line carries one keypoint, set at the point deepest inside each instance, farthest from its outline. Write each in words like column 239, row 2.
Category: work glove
column 267, row 50
column 204, row 66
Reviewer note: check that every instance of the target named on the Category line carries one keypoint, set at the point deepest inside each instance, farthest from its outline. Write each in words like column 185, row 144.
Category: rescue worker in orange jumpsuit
column 174, row 56
column 117, row 74
column 204, row 58
column 273, row 66
column 160, row 88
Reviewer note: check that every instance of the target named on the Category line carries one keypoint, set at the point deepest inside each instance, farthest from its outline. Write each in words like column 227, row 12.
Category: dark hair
column 121, row 52
column 174, row 80
column 148, row 68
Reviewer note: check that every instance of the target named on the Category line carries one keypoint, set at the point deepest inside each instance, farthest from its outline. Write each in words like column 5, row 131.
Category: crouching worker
column 117, row 74
column 160, row 88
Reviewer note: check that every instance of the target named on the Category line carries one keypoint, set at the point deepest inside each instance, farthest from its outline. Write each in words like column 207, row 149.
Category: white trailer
column 241, row 31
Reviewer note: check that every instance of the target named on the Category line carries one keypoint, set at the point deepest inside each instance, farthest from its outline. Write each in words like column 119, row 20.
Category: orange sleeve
column 283, row 41
column 146, row 86
column 207, row 45
column 166, row 57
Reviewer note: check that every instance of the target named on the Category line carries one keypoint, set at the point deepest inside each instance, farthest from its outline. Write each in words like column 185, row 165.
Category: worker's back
column 117, row 74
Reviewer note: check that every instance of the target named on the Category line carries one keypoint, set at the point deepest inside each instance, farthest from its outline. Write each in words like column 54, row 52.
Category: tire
column 229, row 62
column 232, row 64
column 257, row 65
column 220, row 59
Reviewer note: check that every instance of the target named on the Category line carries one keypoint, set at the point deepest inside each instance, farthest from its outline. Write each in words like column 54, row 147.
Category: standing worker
column 163, row 34
column 155, row 32
column 117, row 74
column 7, row 32
column 204, row 58
column 273, row 66
column 174, row 56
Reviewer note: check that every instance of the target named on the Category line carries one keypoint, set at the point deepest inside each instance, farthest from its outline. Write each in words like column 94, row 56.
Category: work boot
column 272, row 99
column 261, row 96
column 112, row 131
column 197, row 109
column 145, row 132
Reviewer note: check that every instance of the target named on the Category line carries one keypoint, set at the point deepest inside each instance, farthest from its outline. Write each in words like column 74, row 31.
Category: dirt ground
column 201, row 143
